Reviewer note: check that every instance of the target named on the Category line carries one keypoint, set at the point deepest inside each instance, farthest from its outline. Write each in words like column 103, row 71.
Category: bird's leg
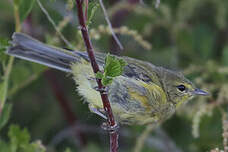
column 102, row 113
column 96, row 111
column 106, row 126
column 101, row 90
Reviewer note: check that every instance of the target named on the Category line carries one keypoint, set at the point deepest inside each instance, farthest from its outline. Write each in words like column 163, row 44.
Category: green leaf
column 92, row 7
column 123, row 63
column 106, row 81
column 33, row 147
column 19, row 141
column 67, row 150
column 5, row 115
column 37, row 146
column 18, row 138
column 113, row 66
column 99, row 75
column 25, row 8
column 4, row 43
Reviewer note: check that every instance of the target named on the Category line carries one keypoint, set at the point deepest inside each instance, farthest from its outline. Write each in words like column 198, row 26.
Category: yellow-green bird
column 143, row 94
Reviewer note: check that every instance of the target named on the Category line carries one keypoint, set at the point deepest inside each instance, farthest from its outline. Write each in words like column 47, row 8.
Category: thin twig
column 9, row 67
column 54, row 25
column 110, row 25
column 107, row 107
column 17, row 19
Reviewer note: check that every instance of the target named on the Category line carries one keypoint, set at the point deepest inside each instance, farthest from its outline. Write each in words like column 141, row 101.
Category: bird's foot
column 103, row 90
column 111, row 129
column 98, row 112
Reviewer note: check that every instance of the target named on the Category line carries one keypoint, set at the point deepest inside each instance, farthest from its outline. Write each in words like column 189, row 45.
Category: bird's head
column 178, row 88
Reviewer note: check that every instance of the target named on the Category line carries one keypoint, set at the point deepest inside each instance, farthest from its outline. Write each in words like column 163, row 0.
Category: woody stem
column 107, row 107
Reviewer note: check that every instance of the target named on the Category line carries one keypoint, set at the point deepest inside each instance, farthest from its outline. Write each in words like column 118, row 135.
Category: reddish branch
column 107, row 107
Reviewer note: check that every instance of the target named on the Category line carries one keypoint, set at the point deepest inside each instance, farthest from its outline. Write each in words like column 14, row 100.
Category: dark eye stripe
column 181, row 87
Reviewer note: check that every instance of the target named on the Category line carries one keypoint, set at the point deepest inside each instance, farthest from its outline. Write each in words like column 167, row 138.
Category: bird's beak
column 200, row 92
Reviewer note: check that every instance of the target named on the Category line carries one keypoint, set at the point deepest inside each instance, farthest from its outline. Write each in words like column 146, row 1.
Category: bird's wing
column 137, row 69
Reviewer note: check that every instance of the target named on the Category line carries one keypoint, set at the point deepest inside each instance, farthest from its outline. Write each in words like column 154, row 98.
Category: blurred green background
column 185, row 35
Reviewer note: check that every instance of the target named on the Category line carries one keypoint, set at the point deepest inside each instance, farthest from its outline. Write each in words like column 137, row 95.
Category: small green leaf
column 113, row 66
column 99, row 75
column 33, row 147
column 4, row 43
column 5, row 115
column 18, row 138
column 37, row 146
column 19, row 141
column 25, row 8
column 122, row 62
column 106, row 81
column 92, row 7
column 67, row 150
column 109, row 58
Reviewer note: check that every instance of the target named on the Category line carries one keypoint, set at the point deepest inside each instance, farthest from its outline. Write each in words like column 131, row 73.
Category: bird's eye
column 181, row 87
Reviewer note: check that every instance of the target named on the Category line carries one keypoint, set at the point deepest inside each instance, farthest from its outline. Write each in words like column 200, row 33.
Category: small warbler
column 143, row 94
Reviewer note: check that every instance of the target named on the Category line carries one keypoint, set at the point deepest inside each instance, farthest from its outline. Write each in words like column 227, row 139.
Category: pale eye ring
column 181, row 88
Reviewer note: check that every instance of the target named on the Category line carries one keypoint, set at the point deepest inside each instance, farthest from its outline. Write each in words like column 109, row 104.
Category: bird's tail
column 25, row 47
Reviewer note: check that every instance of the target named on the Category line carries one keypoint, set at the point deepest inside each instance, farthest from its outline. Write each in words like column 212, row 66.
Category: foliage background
column 186, row 35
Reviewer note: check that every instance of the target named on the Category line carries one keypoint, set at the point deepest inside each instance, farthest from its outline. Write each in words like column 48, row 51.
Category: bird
column 142, row 94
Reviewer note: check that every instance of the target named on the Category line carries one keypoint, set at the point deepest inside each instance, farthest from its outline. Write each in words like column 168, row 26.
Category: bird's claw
column 111, row 129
